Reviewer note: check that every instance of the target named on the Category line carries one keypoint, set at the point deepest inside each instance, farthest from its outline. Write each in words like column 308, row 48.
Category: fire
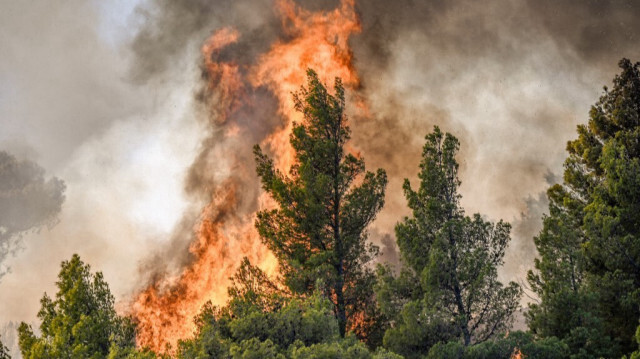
column 318, row 41
column 517, row 354
column 225, row 232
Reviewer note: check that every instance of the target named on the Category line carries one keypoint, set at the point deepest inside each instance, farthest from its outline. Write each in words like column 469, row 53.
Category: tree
column 450, row 261
column 593, row 226
column 318, row 230
column 80, row 322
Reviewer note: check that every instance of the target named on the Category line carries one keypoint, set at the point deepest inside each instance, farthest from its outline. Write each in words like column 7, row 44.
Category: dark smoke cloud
column 173, row 28
column 28, row 201
column 601, row 32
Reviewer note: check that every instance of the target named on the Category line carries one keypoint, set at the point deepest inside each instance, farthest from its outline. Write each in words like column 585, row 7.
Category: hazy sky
column 66, row 102
column 100, row 95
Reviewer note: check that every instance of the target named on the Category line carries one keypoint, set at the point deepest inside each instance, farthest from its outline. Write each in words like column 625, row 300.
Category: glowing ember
column 225, row 233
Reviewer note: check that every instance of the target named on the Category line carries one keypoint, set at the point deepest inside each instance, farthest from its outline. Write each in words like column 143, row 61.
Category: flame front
column 225, row 232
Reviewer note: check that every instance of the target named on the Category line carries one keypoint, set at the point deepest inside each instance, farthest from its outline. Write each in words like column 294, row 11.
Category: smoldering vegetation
column 28, row 202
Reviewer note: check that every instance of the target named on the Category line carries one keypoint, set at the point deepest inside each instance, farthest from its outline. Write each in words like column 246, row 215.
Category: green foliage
column 80, row 322
column 307, row 321
column 255, row 349
column 449, row 288
column 318, row 230
column 251, row 288
column 588, row 274
column 346, row 348
column 417, row 329
column 117, row 352
column 272, row 332
column 635, row 354
column 208, row 341
column 502, row 348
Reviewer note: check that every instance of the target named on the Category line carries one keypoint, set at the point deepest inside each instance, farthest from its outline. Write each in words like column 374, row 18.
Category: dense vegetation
column 445, row 301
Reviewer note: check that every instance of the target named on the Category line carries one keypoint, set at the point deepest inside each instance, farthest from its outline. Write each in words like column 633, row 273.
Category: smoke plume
column 28, row 202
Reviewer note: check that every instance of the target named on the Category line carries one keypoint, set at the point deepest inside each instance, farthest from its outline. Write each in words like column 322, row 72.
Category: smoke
column 28, row 202
column 510, row 80
column 9, row 337
column 66, row 102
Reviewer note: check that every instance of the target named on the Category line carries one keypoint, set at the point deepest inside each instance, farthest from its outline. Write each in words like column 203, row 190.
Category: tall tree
column 593, row 226
column 318, row 230
column 452, row 258
column 80, row 322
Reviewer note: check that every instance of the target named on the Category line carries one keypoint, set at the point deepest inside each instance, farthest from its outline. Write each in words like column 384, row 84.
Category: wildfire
column 225, row 232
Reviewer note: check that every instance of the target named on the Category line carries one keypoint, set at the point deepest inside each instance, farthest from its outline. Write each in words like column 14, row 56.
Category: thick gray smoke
column 66, row 102
column 28, row 202
column 510, row 80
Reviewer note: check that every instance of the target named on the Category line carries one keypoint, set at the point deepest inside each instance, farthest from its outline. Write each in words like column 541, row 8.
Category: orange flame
column 517, row 354
column 317, row 40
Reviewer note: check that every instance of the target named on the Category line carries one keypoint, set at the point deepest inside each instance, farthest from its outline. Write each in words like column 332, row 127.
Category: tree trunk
column 340, row 303
column 338, row 245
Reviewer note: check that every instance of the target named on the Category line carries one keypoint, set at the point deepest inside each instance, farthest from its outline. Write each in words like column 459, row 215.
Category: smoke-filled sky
column 102, row 98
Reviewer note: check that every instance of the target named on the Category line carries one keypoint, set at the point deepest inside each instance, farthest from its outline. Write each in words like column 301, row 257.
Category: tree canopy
column 448, row 289
column 80, row 322
column 318, row 230
column 588, row 273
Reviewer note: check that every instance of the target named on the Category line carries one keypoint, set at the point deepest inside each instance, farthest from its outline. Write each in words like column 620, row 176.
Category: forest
column 333, row 298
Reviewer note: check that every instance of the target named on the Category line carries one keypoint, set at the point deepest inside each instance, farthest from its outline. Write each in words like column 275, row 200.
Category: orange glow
column 517, row 354
column 317, row 40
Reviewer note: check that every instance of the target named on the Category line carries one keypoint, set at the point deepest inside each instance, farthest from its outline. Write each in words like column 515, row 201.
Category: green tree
column 560, row 271
column 449, row 287
column 318, row 230
column 588, row 274
column 80, row 322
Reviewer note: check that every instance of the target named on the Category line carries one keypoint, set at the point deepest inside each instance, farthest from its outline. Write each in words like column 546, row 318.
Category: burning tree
column 318, row 230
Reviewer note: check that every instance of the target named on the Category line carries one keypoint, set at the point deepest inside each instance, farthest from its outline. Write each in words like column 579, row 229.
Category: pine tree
column 80, row 322
column 452, row 260
column 588, row 274
column 318, row 230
